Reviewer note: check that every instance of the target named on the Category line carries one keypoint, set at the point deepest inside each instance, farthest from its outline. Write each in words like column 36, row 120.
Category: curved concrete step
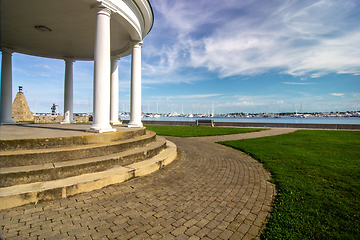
column 50, row 155
column 11, row 176
column 83, row 139
column 34, row 192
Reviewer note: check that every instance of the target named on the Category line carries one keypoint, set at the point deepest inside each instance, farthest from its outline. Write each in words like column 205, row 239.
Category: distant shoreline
column 260, row 124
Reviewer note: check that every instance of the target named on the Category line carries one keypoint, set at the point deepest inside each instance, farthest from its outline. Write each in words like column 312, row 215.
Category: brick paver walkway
column 209, row 192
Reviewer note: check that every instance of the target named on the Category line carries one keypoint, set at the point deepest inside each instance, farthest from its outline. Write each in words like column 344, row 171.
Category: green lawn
column 317, row 178
column 194, row 131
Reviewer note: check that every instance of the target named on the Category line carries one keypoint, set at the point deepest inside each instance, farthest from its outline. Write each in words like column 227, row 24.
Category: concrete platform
column 40, row 136
column 68, row 161
column 29, row 130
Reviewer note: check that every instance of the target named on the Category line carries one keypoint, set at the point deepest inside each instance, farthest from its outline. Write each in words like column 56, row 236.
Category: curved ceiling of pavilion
column 72, row 24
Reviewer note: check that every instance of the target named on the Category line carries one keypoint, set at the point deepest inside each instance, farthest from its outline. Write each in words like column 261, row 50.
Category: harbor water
column 260, row 119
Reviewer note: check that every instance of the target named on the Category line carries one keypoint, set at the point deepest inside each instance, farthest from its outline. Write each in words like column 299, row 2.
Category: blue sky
column 248, row 55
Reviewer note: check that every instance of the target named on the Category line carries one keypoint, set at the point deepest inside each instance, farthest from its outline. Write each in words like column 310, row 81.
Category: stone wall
column 58, row 119
column 48, row 118
column 81, row 119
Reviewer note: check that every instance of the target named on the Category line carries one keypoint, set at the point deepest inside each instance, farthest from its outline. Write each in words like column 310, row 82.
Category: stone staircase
column 50, row 168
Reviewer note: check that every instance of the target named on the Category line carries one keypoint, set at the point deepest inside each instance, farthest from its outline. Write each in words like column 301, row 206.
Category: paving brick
column 220, row 217
column 222, row 225
column 176, row 232
column 214, row 233
column 120, row 220
column 117, row 233
column 237, row 236
column 156, row 236
column 182, row 237
column 192, row 230
column 211, row 216
column 168, row 237
column 193, row 238
column 190, row 223
column 202, row 222
column 166, row 230
column 243, row 228
column 119, row 226
column 125, row 236
column 132, row 227
column 212, row 224
column 202, row 232
column 179, row 222
column 143, row 228
column 190, row 215
column 226, row 234
column 155, row 229
column 141, row 236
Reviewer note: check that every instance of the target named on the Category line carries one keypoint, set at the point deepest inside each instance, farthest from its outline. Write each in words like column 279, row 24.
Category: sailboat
column 157, row 110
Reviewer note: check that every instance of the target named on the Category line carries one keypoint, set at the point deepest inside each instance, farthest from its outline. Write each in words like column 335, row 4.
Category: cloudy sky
column 235, row 55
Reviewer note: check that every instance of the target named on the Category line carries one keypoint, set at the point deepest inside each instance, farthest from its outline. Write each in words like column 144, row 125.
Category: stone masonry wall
column 20, row 109
column 58, row 119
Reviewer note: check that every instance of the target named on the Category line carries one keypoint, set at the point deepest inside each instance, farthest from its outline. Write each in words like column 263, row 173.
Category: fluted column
column 6, row 87
column 114, row 92
column 68, row 92
column 101, row 90
column 135, row 98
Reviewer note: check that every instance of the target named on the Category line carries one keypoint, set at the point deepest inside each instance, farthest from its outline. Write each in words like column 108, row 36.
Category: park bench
column 205, row 122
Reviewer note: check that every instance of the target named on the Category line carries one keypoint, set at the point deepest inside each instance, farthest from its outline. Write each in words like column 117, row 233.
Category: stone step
column 33, row 192
column 26, row 157
column 58, row 142
column 11, row 176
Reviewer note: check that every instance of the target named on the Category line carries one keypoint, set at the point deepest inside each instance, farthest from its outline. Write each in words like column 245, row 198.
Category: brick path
column 209, row 192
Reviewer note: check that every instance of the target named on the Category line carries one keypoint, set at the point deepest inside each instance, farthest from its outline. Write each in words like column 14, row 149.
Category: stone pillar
column 114, row 92
column 68, row 93
column 6, row 87
column 135, row 98
column 101, row 97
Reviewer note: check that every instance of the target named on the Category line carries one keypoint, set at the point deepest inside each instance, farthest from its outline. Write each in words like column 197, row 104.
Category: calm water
column 321, row 120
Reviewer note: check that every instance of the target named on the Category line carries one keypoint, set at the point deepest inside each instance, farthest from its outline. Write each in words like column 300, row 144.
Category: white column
column 114, row 92
column 6, row 87
column 68, row 93
column 101, row 90
column 135, row 98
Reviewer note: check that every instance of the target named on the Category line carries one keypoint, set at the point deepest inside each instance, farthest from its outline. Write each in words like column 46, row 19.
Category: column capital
column 66, row 59
column 115, row 58
column 137, row 44
column 101, row 9
column 7, row 50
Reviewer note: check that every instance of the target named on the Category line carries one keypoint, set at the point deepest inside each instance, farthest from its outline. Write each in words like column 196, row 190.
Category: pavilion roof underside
column 72, row 24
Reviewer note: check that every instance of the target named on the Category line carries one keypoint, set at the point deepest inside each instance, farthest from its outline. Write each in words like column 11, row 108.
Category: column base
column 7, row 123
column 135, row 125
column 116, row 123
column 101, row 129
column 67, row 122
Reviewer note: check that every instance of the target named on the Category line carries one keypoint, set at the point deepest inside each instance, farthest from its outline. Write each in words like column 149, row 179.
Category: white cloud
column 189, row 96
column 300, row 38
column 38, row 75
column 298, row 83
column 338, row 94
column 40, row 65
